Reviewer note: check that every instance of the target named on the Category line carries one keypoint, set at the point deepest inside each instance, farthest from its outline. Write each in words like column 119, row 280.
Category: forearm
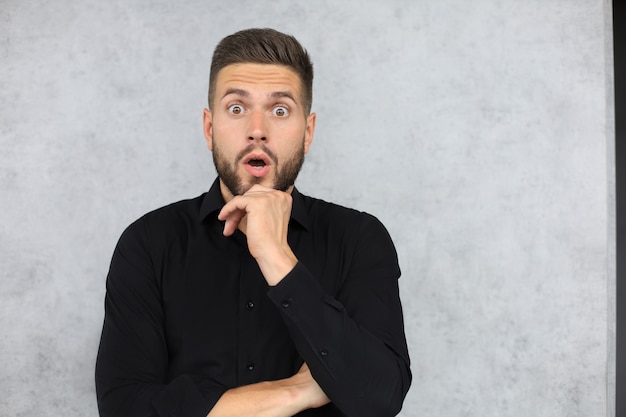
column 361, row 375
column 362, row 370
column 284, row 397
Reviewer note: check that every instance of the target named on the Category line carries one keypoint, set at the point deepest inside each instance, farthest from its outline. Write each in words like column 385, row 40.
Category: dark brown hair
column 264, row 46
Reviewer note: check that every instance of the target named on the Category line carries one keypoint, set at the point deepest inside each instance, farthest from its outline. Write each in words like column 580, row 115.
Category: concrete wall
column 479, row 132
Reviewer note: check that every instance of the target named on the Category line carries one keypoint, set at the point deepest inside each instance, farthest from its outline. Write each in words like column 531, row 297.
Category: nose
column 257, row 129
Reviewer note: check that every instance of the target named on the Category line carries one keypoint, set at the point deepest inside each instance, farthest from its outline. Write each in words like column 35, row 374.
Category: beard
column 285, row 172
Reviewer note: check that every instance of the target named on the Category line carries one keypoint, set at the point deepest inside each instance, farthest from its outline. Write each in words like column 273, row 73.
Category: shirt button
column 250, row 366
column 286, row 303
column 323, row 352
column 250, row 305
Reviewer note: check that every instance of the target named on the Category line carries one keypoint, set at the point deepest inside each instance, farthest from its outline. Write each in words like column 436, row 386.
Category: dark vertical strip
column 619, row 57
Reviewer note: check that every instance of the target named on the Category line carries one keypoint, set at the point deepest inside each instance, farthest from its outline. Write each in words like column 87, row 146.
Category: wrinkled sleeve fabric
column 131, row 368
column 353, row 343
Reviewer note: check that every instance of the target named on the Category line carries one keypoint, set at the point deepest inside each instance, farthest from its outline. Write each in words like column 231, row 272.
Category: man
column 253, row 299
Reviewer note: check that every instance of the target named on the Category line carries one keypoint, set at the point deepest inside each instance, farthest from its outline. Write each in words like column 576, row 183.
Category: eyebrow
column 237, row 92
column 281, row 94
column 245, row 94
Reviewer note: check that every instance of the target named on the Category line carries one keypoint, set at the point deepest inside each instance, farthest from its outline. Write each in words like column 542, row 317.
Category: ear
column 309, row 130
column 207, row 119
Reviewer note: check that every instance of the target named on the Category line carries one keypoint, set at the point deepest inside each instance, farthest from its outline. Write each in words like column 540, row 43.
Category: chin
column 245, row 186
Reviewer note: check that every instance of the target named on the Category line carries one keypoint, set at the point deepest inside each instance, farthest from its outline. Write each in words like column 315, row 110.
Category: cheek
column 293, row 131
column 223, row 133
column 295, row 147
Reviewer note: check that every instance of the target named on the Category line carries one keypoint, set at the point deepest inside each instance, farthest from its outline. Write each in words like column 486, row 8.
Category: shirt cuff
column 297, row 292
column 305, row 305
column 181, row 397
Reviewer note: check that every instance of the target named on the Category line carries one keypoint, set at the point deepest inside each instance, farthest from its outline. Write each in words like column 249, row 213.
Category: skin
column 258, row 114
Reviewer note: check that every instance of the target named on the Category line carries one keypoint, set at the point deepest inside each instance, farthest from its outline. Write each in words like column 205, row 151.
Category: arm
column 282, row 398
column 354, row 344
column 132, row 364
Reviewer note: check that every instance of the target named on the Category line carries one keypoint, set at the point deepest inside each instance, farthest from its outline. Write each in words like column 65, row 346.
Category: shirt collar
column 213, row 203
column 298, row 210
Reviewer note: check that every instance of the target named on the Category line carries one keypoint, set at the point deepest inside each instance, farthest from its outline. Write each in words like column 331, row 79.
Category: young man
column 253, row 299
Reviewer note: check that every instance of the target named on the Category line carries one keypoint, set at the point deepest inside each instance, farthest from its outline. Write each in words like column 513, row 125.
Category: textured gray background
column 479, row 132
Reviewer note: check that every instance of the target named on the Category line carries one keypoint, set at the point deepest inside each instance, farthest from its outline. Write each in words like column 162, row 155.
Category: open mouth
column 257, row 160
column 257, row 163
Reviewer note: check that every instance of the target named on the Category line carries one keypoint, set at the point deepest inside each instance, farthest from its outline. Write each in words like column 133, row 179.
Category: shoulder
column 180, row 209
column 328, row 212
column 322, row 215
column 167, row 220
column 359, row 237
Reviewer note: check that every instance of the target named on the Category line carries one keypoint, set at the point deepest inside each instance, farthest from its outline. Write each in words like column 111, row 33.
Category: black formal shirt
column 189, row 315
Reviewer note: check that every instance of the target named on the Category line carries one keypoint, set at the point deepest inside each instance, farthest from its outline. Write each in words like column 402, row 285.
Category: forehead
column 258, row 77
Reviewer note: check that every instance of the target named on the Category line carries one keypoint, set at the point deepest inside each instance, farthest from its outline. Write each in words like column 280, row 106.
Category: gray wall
column 479, row 132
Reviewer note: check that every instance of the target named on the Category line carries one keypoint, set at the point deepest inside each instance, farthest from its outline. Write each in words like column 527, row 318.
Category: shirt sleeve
column 131, row 367
column 353, row 343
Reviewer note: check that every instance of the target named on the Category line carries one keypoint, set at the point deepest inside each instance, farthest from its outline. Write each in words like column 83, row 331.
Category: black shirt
column 188, row 313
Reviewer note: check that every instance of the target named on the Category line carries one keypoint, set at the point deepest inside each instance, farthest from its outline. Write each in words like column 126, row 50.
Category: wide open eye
column 235, row 109
column 280, row 111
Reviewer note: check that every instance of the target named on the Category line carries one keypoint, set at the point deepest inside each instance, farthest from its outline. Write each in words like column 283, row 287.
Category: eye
column 235, row 109
column 280, row 111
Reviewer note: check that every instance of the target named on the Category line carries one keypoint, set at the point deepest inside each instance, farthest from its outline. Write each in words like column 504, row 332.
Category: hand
column 263, row 215
column 313, row 393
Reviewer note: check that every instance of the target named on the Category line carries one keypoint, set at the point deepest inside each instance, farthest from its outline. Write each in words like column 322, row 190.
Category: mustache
column 253, row 147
